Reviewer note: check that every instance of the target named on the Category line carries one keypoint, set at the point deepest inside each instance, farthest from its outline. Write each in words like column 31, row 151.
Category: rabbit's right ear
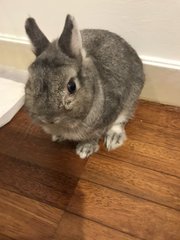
column 70, row 40
column 37, row 38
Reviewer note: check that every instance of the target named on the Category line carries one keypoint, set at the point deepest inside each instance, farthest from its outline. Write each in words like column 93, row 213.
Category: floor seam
column 102, row 224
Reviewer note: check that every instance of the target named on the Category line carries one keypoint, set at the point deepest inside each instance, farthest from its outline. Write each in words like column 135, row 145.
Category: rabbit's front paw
column 57, row 138
column 114, row 138
column 85, row 149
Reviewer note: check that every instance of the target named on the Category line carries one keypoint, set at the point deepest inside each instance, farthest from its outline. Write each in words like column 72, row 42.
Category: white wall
column 151, row 26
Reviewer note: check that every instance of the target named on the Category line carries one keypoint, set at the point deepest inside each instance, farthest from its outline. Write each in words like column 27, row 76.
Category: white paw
column 56, row 138
column 84, row 150
column 114, row 139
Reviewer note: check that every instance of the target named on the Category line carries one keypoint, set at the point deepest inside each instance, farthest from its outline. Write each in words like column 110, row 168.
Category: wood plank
column 42, row 184
column 134, row 180
column 73, row 227
column 3, row 237
column 154, row 134
column 26, row 219
column 125, row 213
column 158, row 114
column 147, row 155
column 36, row 147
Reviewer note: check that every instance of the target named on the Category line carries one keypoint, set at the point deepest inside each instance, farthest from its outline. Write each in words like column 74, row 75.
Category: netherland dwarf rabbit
column 83, row 86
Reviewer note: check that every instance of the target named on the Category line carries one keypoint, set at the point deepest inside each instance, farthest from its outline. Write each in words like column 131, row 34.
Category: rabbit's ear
column 70, row 40
column 37, row 38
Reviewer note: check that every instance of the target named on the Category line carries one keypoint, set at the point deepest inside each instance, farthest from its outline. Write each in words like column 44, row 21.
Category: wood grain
column 42, row 184
column 73, row 227
column 134, row 180
column 3, row 237
column 22, row 218
column 158, row 114
column 153, row 134
column 126, row 213
column 147, row 155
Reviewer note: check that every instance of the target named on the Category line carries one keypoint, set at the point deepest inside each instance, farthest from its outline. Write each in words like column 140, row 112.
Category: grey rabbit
column 83, row 86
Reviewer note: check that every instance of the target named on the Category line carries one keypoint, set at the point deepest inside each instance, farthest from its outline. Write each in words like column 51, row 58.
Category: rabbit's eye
column 71, row 86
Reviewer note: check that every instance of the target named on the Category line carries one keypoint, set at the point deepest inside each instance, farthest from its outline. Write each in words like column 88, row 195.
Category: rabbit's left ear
column 70, row 40
column 38, row 39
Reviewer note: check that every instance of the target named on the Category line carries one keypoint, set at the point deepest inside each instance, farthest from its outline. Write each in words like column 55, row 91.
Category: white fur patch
column 77, row 83
column 57, row 138
column 54, row 138
column 114, row 140
column 46, row 129
column 84, row 150
column 116, row 135
column 76, row 41
column 83, row 53
column 117, row 128
column 121, row 118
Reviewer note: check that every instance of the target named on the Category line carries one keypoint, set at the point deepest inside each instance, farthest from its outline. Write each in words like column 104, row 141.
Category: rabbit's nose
column 54, row 121
column 51, row 122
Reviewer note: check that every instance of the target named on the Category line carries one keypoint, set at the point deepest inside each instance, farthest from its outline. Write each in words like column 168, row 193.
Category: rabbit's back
column 110, row 50
column 120, row 70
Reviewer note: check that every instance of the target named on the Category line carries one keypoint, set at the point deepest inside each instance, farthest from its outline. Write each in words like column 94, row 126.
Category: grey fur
column 109, row 77
column 39, row 40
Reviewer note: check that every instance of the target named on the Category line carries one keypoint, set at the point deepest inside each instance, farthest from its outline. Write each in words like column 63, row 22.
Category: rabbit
column 83, row 86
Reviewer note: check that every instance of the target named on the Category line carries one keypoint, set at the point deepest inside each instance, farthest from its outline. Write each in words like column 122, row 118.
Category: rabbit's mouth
column 43, row 120
column 53, row 120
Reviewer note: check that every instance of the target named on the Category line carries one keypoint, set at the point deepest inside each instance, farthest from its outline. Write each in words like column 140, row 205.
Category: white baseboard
column 14, row 39
column 161, row 62
column 162, row 85
column 162, row 75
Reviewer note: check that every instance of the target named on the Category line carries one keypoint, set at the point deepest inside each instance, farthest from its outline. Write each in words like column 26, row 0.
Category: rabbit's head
column 61, row 79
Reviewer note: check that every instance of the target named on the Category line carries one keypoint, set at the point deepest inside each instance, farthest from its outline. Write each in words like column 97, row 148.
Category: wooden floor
column 48, row 193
